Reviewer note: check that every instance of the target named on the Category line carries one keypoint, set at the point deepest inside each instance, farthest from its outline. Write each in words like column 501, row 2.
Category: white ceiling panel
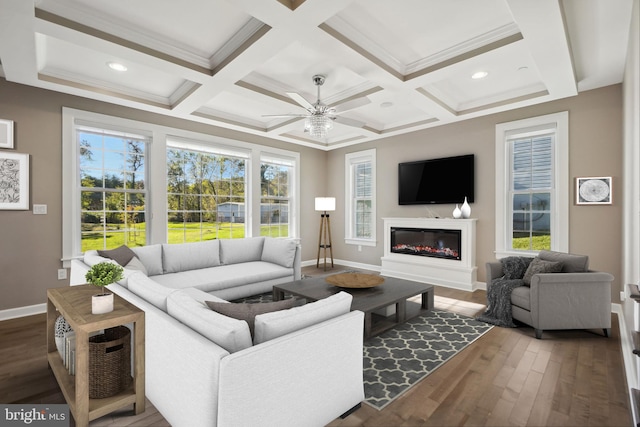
column 405, row 65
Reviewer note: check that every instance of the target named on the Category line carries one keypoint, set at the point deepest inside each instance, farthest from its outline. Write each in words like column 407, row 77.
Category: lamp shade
column 325, row 203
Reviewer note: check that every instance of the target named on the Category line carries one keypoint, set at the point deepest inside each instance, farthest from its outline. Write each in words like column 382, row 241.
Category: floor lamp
column 324, row 205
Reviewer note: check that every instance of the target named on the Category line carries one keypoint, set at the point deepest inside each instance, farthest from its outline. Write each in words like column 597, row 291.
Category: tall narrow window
column 205, row 194
column 360, row 171
column 532, row 185
column 276, row 177
column 112, row 189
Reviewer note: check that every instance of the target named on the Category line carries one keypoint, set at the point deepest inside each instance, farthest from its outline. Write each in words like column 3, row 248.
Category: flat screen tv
column 436, row 181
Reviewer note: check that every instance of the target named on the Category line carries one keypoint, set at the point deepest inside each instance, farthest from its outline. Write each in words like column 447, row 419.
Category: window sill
column 360, row 242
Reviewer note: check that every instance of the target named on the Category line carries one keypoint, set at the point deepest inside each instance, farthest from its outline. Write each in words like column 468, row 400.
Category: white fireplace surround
column 459, row 274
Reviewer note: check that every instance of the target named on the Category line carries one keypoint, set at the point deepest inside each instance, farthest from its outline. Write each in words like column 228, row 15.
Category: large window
column 112, row 188
column 205, row 195
column 135, row 183
column 532, row 185
column 360, row 178
column 276, row 177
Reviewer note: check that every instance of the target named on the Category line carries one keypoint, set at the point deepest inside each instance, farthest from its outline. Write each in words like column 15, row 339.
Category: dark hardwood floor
column 505, row 378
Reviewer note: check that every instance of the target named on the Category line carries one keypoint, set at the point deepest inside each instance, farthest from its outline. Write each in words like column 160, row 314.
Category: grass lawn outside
column 177, row 233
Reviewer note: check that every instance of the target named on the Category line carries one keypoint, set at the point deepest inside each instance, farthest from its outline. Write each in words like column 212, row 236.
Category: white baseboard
column 13, row 313
column 342, row 262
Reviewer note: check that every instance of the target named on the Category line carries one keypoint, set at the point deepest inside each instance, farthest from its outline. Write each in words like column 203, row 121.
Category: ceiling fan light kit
column 319, row 120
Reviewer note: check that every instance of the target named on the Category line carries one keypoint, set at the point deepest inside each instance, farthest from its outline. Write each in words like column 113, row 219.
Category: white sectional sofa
column 302, row 366
column 226, row 268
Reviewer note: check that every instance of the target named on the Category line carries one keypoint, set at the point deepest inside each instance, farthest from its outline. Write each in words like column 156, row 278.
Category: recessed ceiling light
column 386, row 104
column 117, row 66
column 479, row 75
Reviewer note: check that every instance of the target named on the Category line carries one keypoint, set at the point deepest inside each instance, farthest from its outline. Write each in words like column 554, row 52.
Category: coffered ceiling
column 230, row 63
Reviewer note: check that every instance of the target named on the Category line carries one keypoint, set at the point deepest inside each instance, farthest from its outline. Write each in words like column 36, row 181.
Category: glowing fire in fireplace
column 425, row 250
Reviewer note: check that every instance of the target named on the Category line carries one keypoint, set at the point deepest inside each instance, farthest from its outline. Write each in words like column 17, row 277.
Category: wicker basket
column 109, row 362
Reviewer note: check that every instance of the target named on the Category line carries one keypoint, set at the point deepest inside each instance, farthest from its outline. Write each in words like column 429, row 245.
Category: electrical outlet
column 39, row 209
column 623, row 296
column 62, row 273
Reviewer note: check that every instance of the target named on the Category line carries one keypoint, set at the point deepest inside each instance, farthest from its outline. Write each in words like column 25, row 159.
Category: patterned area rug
column 399, row 358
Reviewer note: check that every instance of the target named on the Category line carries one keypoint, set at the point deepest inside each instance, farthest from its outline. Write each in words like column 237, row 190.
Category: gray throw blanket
column 499, row 293
column 499, row 302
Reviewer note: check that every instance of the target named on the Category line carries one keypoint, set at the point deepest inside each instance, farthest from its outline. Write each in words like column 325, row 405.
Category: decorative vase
column 465, row 209
column 457, row 213
column 101, row 303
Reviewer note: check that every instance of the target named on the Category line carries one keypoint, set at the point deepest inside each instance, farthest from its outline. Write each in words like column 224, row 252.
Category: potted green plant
column 101, row 275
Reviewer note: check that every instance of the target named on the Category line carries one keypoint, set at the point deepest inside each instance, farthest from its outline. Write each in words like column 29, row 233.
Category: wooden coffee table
column 392, row 292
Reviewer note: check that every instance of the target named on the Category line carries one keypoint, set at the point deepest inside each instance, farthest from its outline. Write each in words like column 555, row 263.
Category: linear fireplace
column 438, row 243
column 440, row 251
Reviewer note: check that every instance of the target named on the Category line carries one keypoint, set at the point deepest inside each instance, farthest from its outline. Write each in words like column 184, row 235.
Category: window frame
column 174, row 143
column 156, row 170
column 558, row 123
column 351, row 160
column 290, row 162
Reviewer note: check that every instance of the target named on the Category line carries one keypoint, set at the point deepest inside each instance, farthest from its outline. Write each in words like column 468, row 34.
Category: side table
column 74, row 304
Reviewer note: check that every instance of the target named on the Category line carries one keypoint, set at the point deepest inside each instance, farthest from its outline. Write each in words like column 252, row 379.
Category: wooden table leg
column 277, row 294
column 427, row 300
column 367, row 325
column 401, row 311
column 139, row 372
column 81, row 414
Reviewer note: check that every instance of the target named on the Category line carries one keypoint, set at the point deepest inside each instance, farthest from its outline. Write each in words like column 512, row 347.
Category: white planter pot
column 102, row 303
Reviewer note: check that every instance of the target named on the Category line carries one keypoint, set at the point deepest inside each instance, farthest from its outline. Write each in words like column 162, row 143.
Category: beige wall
column 595, row 149
column 31, row 245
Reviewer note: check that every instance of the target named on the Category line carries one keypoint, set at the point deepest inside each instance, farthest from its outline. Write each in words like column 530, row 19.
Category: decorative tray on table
column 355, row 280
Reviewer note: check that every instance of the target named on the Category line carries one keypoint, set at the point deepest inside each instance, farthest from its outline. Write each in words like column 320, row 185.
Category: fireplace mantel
column 460, row 274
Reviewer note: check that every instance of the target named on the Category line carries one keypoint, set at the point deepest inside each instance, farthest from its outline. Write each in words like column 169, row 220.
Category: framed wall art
column 594, row 190
column 14, row 181
column 6, row 133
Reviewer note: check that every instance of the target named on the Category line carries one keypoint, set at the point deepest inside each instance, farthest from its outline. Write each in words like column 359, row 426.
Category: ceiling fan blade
column 350, row 105
column 284, row 115
column 349, row 122
column 300, row 100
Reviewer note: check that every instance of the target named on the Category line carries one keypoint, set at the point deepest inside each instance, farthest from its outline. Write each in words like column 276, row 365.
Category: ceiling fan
column 320, row 117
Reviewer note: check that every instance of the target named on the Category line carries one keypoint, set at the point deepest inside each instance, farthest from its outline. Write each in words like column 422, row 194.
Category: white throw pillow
column 273, row 325
column 235, row 251
column 190, row 256
column 151, row 258
column 279, row 251
column 137, row 265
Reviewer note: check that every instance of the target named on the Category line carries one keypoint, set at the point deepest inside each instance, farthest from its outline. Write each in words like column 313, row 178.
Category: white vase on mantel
column 465, row 209
column 457, row 213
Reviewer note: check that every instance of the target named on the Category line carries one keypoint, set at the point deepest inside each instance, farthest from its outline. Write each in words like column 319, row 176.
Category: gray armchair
column 576, row 298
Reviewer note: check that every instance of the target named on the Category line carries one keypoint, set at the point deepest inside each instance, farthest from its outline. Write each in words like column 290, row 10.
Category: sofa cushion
column 188, row 306
column 248, row 311
column 122, row 254
column 571, row 263
column 149, row 290
column 235, row 251
column 137, row 265
column 540, row 266
column 521, row 297
column 224, row 276
column 279, row 251
column 273, row 325
column 514, row 267
column 151, row 258
column 190, row 256
column 92, row 258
